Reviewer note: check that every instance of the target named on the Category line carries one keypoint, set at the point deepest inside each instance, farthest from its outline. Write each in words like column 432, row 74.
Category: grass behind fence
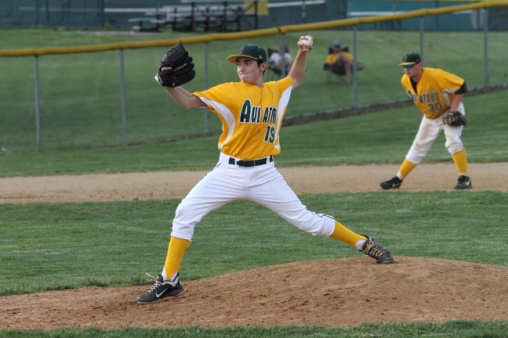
column 381, row 137
column 80, row 93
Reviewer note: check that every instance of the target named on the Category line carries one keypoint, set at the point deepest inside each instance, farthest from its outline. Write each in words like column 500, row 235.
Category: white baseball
column 307, row 41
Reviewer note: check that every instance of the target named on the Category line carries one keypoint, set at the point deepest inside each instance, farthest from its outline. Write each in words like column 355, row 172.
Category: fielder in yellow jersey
column 435, row 92
column 251, row 112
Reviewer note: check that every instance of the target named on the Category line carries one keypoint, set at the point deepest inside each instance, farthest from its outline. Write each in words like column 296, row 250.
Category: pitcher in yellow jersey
column 251, row 112
column 434, row 92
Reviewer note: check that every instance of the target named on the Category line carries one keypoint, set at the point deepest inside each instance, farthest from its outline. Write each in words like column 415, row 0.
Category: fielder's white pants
column 428, row 132
column 261, row 184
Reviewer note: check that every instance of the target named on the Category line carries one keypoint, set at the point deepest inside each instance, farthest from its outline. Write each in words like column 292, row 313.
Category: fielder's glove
column 181, row 68
column 455, row 119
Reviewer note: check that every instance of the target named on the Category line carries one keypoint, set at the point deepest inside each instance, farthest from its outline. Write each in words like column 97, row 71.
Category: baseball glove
column 454, row 119
column 176, row 67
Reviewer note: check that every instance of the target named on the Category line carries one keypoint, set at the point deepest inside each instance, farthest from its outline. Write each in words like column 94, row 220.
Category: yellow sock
column 405, row 168
column 344, row 234
column 460, row 160
column 176, row 250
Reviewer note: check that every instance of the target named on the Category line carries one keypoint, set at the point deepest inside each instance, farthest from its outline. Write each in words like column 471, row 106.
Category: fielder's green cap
column 410, row 59
column 249, row 51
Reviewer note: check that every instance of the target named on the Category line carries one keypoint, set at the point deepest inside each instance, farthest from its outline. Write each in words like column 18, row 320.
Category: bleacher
column 205, row 15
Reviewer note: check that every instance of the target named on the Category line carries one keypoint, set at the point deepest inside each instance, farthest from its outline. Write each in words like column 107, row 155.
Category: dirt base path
column 327, row 293
column 164, row 185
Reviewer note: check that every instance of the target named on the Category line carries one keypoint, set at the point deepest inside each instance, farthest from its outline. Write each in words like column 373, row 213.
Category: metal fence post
column 207, row 112
column 102, row 13
column 283, row 59
column 422, row 45
column 123, row 97
column 37, row 105
column 486, row 46
column 355, row 86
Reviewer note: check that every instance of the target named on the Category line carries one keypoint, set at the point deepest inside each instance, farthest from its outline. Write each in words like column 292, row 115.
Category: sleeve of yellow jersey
column 450, row 82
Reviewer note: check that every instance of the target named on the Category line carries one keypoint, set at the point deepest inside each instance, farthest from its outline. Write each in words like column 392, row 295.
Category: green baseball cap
column 249, row 51
column 410, row 59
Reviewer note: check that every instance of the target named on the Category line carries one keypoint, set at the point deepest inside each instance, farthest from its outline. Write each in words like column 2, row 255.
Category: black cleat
column 464, row 182
column 161, row 289
column 393, row 183
column 377, row 251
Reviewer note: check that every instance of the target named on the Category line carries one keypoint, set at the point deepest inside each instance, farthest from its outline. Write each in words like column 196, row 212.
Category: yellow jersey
column 331, row 58
column 434, row 92
column 251, row 116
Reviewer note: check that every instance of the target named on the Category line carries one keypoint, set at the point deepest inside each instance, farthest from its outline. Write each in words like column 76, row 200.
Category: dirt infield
column 163, row 185
column 323, row 293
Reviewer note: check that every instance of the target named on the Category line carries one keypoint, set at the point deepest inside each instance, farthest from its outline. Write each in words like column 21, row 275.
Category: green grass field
column 41, row 242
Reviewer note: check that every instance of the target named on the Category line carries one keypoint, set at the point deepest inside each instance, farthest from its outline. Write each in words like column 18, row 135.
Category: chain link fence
column 105, row 95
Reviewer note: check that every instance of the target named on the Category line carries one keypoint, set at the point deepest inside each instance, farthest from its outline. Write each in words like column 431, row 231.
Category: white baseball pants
column 261, row 184
column 428, row 132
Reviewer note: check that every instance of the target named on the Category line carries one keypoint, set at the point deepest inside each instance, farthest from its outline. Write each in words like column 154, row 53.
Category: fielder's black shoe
column 162, row 289
column 393, row 183
column 464, row 183
column 377, row 251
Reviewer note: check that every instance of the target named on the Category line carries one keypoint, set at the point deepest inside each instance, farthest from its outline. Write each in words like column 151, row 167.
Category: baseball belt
column 252, row 163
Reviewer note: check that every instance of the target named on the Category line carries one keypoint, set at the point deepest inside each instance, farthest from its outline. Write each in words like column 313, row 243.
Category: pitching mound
column 324, row 293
